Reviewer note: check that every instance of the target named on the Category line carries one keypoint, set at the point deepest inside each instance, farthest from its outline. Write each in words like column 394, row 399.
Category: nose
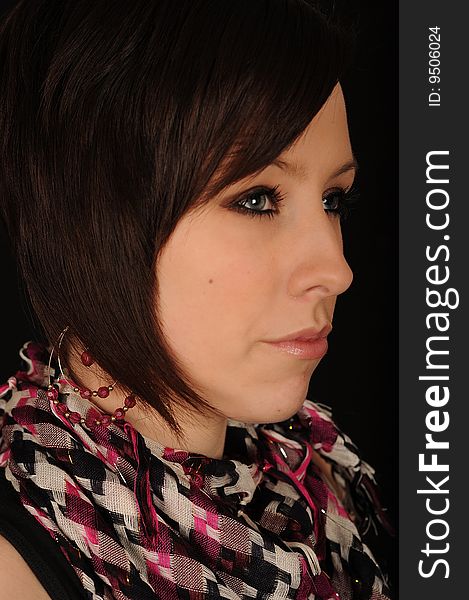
column 320, row 268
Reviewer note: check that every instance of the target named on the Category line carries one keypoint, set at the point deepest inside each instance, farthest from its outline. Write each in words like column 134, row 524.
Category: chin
column 273, row 407
column 287, row 411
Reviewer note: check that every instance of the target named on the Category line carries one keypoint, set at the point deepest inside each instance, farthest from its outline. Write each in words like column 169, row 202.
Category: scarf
column 140, row 521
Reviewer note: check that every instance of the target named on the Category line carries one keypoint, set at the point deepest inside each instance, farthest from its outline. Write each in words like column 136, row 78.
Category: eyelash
column 342, row 209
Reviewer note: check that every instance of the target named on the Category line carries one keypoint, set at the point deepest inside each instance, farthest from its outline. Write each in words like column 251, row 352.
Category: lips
column 305, row 335
column 305, row 344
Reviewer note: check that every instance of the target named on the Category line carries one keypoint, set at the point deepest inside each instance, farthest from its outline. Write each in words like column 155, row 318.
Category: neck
column 201, row 434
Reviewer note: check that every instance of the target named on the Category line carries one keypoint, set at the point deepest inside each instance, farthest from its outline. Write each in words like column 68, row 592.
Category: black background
column 358, row 377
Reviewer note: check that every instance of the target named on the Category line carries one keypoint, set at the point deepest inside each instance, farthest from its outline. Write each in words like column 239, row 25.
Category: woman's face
column 231, row 281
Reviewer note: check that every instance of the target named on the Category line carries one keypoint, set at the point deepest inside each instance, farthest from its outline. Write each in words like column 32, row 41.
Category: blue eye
column 339, row 202
column 255, row 202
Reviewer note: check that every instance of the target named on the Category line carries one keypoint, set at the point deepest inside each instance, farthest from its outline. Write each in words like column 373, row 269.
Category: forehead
column 325, row 141
column 319, row 152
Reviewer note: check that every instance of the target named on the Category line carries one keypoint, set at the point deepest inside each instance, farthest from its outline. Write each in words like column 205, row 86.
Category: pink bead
column 86, row 359
column 103, row 392
column 75, row 417
column 119, row 413
column 130, row 401
column 198, row 479
column 85, row 393
column 52, row 394
column 105, row 419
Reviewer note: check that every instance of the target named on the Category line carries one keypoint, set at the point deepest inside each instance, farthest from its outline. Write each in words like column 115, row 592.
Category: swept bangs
column 118, row 117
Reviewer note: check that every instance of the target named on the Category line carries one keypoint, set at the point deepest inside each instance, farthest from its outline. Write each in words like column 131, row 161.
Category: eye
column 339, row 202
column 256, row 202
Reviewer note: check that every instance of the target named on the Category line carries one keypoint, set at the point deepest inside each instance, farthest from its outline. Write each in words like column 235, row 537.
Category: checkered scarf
column 137, row 520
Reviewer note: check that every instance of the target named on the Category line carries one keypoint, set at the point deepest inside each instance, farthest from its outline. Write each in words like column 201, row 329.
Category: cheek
column 214, row 287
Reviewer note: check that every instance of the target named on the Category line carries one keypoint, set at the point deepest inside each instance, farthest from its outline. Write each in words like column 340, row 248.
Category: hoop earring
column 103, row 392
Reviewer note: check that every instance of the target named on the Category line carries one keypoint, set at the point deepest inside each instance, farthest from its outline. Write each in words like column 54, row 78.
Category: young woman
column 172, row 176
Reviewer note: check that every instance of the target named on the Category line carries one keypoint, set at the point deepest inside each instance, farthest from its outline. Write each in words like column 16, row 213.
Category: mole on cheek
column 210, row 280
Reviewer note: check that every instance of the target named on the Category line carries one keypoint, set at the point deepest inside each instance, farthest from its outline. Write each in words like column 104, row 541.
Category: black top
column 37, row 547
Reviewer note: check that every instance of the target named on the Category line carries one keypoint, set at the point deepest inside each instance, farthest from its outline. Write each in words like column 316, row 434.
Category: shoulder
column 16, row 578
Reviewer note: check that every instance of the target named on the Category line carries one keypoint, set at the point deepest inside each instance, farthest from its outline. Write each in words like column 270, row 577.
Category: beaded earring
column 86, row 393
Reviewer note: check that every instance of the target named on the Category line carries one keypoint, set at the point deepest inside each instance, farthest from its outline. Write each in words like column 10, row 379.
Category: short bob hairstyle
column 116, row 119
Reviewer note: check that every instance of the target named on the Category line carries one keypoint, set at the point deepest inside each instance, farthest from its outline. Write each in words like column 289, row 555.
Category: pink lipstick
column 305, row 344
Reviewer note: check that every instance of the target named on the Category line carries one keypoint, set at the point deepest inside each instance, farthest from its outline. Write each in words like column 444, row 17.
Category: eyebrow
column 300, row 172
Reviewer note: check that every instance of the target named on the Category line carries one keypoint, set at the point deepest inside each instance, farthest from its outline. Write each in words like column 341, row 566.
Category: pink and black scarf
column 137, row 520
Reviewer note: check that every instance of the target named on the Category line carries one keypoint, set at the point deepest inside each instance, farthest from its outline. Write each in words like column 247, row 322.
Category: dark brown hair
column 115, row 120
